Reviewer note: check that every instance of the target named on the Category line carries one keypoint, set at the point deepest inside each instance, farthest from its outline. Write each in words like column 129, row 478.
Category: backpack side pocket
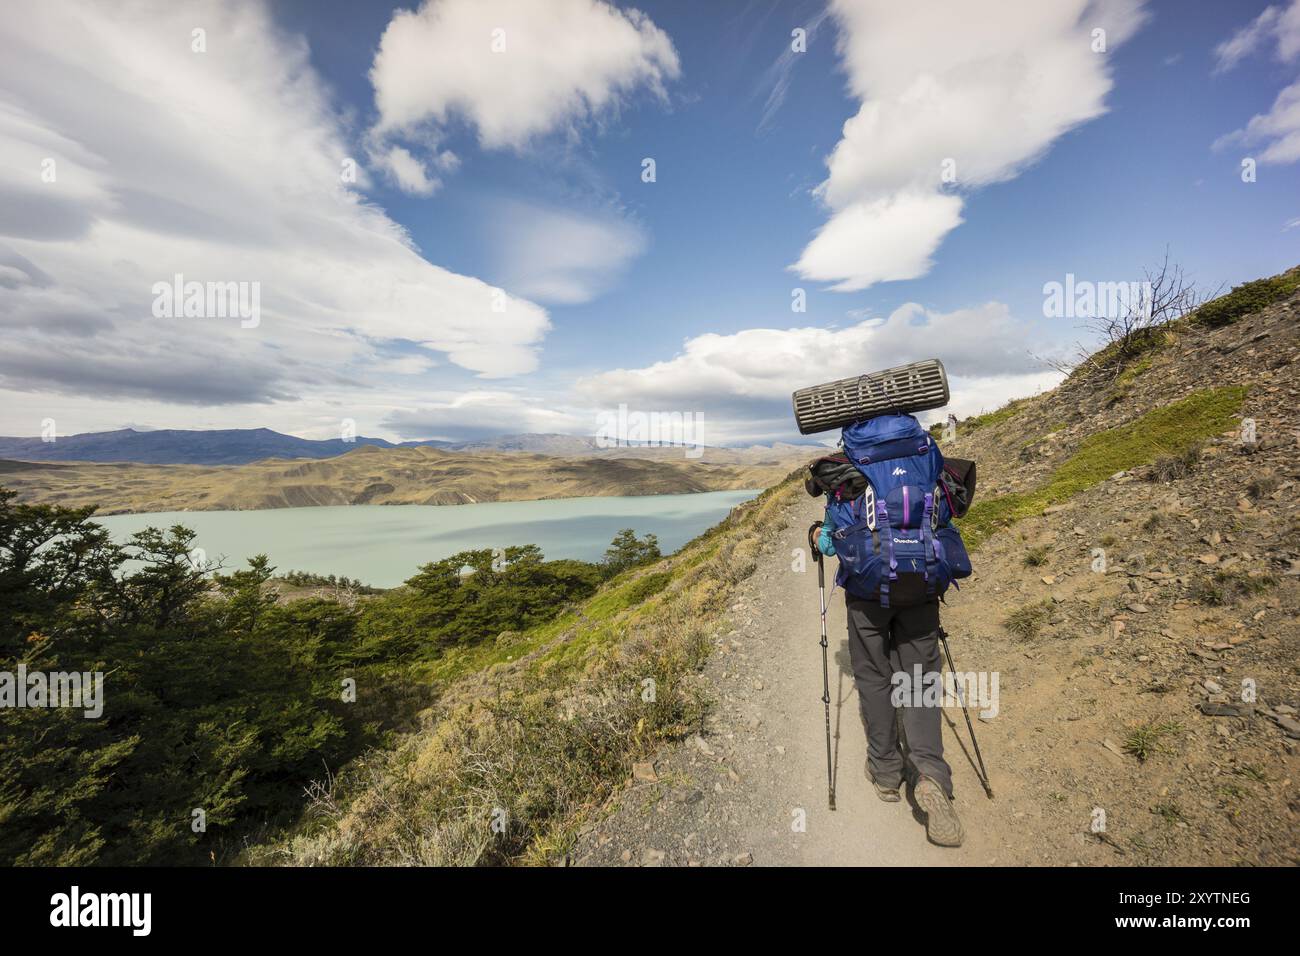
column 953, row 552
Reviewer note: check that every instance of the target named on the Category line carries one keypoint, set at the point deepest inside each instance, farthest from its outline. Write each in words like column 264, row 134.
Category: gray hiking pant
column 884, row 641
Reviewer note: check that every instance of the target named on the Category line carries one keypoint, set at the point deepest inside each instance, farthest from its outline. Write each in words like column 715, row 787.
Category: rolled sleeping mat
column 905, row 389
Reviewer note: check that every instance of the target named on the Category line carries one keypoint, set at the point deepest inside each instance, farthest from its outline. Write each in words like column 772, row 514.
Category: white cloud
column 559, row 256
column 742, row 382
column 408, row 173
column 1278, row 130
column 902, row 230
column 221, row 166
column 777, row 78
column 560, row 63
column 947, row 83
column 481, row 413
column 1282, row 26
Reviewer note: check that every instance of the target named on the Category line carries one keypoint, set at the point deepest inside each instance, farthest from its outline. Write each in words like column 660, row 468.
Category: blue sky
column 673, row 295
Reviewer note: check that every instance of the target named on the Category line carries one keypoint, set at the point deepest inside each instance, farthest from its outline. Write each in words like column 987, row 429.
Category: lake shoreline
column 395, row 504
column 383, row 545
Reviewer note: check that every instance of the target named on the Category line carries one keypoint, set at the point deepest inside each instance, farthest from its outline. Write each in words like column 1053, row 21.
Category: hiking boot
column 888, row 794
column 941, row 823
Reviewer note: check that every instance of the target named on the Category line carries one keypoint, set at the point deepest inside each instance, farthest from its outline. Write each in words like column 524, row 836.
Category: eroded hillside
column 1146, row 624
column 391, row 476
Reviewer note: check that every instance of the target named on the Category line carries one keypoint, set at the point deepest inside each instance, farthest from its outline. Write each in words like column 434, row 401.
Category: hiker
column 891, row 499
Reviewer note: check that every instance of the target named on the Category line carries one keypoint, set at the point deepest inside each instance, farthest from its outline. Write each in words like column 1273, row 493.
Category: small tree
column 1167, row 296
column 174, row 575
column 627, row 551
column 247, row 596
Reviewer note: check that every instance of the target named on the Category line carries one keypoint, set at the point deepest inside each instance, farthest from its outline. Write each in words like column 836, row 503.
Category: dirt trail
column 1149, row 704
column 735, row 795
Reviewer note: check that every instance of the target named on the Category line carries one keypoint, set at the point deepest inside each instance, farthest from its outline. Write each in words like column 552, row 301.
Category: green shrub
column 1245, row 299
column 647, row 586
column 214, row 696
column 548, row 738
column 218, row 696
column 628, row 551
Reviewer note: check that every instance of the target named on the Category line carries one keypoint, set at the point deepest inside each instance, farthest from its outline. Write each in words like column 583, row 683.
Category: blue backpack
column 894, row 540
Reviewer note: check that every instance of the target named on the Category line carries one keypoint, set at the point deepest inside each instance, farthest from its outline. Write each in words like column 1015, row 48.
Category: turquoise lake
column 383, row 545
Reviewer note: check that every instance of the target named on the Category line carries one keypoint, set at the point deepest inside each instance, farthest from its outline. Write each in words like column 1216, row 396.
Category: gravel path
column 752, row 789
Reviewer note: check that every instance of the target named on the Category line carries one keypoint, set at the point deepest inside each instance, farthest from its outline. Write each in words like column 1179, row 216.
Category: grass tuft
column 1036, row 557
column 1025, row 622
column 1169, row 468
column 976, row 422
column 1227, row 587
column 1169, row 812
column 1146, row 740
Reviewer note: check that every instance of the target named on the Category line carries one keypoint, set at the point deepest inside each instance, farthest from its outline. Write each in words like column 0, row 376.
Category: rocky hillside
column 391, row 476
column 1146, row 624
column 1137, row 560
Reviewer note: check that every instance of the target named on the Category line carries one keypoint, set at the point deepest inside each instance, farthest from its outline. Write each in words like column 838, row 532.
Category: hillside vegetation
column 221, row 701
column 533, row 731
column 1136, row 546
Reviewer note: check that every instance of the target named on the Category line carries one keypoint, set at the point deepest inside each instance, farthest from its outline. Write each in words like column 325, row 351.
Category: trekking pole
column 826, row 674
column 984, row 774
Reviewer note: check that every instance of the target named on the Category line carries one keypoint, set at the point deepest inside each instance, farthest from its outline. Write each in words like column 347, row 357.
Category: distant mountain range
column 240, row 446
column 170, row 446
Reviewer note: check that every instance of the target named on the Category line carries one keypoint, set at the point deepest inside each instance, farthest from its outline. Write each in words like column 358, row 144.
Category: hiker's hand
column 813, row 530
column 824, row 543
